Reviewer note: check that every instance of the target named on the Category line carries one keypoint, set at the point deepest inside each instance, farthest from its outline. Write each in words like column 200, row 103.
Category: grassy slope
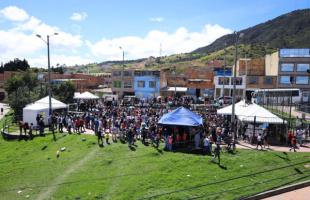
column 115, row 172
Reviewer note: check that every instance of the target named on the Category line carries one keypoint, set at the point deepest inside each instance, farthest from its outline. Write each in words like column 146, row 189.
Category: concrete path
column 300, row 194
column 244, row 145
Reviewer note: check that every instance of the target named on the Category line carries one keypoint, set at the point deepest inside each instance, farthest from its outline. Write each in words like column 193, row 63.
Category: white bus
column 277, row 96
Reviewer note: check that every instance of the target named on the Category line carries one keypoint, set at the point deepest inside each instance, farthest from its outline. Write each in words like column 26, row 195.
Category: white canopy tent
column 86, row 95
column 250, row 112
column 55, row 103
column 260, row 115
column 41, row 107
column 76, row 95
column 239, row 108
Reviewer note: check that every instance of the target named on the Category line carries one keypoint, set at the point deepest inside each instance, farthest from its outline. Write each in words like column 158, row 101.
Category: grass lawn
column 86, row 171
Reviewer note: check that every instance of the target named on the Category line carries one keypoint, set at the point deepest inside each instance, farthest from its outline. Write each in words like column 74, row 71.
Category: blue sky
column 98, row 28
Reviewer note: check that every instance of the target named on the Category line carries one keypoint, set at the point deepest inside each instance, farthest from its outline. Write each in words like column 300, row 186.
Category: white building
column 227, row 88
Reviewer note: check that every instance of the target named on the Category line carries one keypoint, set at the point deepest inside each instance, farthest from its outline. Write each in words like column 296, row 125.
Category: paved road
column 300, row 194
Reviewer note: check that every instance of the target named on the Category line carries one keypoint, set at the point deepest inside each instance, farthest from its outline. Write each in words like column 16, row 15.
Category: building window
column 152, row 84
column 286, row 79
column 141, row 84
column 252, row 80
column 303, row 67
column 287, row 67
column 302, row 80
column 238, row 81
column 117, row 84
column 268, row 80
column 117, row 73
column 222, row 80
column 294, row 52
column 138, row 73
column 127, row 73
column 127, row 84
column 156, row 73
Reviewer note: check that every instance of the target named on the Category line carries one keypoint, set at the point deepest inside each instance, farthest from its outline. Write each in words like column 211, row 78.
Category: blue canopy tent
column 181, row 117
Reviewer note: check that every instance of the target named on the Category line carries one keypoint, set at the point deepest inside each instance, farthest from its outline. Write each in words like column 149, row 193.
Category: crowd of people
column 138, row 121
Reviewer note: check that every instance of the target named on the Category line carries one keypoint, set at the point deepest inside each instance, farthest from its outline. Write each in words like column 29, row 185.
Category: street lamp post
column 122, row 77
column 223, row 93
column 175, row 87
column 237, row 36
column 50, row 111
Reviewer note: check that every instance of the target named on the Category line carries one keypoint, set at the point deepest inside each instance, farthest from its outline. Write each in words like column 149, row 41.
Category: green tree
column 64, row 92
column 21, row 91
column 15, row 65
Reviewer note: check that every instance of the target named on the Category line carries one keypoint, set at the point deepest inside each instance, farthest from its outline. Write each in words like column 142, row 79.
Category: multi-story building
column 224, row 86
column 123, row 82
column 81, row 82
column 199, row 81
column 146, row 83
column 293, row 70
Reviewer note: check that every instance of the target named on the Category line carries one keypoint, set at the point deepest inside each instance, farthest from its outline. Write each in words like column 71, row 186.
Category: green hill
column 290, row 30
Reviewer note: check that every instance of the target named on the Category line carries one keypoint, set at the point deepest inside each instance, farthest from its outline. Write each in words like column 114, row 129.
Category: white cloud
column 156, row 19
column 79, row 16
column 14, row 13
column 180, row 41
column 21, row 42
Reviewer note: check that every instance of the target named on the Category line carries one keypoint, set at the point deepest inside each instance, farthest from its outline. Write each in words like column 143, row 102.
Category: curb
column 277, row 191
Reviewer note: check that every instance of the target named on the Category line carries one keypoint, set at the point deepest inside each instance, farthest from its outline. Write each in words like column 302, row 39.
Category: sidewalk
column 300, row 194
column 244, row 145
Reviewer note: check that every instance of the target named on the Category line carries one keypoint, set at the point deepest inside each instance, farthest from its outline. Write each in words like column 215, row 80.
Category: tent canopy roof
column 86, row 95
column 44, row 104
column 249, row 112
column 181, row 117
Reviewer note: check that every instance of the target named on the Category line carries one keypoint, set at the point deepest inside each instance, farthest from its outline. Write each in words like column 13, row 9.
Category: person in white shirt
column 206, row 145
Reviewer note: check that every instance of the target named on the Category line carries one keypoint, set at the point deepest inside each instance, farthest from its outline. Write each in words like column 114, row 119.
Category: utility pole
column 224, row 75
column 175, row 87
column 123, row 68
column 50, row 110
column 233, row 123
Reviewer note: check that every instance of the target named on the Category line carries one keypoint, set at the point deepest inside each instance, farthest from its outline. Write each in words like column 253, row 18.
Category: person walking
column 299, row 136
column 266, row 138
column 217, row 152
column 169, row 142
column 100, row 138
column 293, row 143
column 259, row 141
column 197, row 140
column 206, row 145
